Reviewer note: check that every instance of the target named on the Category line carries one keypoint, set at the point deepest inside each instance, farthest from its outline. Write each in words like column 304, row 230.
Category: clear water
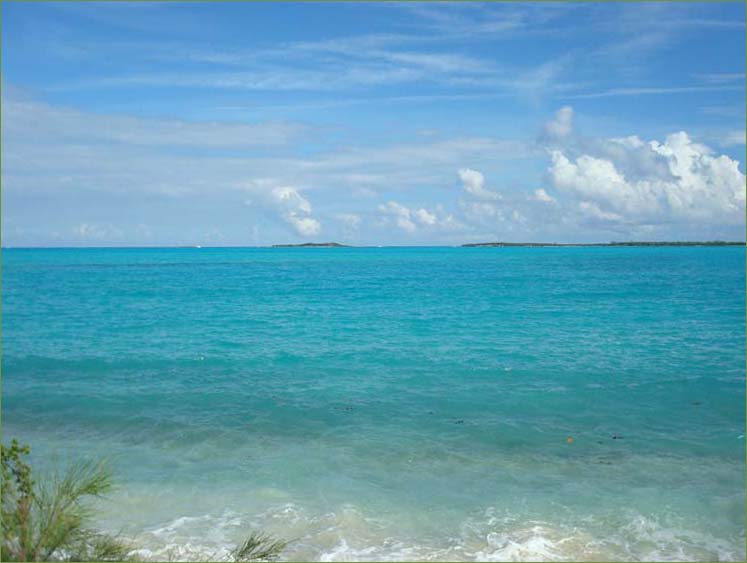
column 395, row 403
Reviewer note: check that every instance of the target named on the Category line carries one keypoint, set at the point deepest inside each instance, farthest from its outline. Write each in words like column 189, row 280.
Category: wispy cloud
column 733, row 138
column 730, row 110
column 380, row 100
column 132, row 119
column 21, row 117
column 85, row 152
column 457, row 20
column 342, row 63
column 645, row 91
column 720, row 77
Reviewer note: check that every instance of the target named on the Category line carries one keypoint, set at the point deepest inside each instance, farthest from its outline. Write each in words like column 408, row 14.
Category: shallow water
column 395, row 403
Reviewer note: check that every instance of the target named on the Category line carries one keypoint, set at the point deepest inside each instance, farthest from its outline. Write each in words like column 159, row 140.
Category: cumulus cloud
column 425, row 217
column 306, row 226
column 295, row 210
column 96, row 232
column 401, row 215
column 289, row 198
column 482, row 208
column 411, row 220
column 561, row 125
column 288, row 202
column 480, row 205
column 674, row 180
column 614, row 187
column 592, row 210
column 623, row 185
column 473, row 182
column 541, row 195
column 53, row 149
column 351, row 221
column 480, row 211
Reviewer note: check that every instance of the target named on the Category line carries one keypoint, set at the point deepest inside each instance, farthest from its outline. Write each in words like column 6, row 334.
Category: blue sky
column 371, row 123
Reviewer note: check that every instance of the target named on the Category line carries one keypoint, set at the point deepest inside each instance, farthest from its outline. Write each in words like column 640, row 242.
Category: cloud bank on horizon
column 371, row 124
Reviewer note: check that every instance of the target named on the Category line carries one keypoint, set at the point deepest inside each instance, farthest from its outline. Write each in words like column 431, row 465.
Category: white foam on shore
column 347, row 534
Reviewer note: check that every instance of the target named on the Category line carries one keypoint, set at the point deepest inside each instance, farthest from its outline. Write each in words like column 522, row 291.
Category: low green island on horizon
column 493, row 244
column 530, row 244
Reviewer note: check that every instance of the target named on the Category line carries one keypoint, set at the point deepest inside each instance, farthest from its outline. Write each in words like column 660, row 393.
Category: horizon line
column 341, row 245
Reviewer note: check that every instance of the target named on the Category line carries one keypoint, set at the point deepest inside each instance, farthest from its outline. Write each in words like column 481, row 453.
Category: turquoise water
column 394, row 403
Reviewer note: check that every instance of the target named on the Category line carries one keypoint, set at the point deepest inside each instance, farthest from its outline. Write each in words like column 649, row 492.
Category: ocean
column 391, row 403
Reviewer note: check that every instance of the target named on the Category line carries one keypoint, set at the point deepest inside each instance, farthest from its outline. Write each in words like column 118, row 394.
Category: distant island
column 537, row 244
column 311, row 245
column 641, row 243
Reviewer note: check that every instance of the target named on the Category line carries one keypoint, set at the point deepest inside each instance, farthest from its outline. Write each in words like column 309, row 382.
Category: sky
column 249, row 124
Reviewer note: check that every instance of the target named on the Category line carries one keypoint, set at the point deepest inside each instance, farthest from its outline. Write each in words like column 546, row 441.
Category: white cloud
column 720, row 77
column 690, row 183
column 411, row 220
column 734, row 138
column 288, row 202
column 351, row 221
column 483, row 207
column 295, row 210
column 306, row 226
column 561, row 125
column 51, row 149
column 95, row 232
column 481, row 211
column 595, row 186
column 290, row 199
column 646, row 91
column 592, row 210
column 541, row 195
column 593, row 178
column 728, row 110
column 425, row 217
column 23, row 119
column 323, row 65
column 473, row 182
column 401, row 215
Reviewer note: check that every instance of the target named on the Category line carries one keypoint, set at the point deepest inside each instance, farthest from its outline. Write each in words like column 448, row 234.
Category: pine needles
column 50, row 520
column 259, row 547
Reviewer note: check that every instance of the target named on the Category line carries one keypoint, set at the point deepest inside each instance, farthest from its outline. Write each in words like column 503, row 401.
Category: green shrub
column 259, row 547
column 49, row 520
